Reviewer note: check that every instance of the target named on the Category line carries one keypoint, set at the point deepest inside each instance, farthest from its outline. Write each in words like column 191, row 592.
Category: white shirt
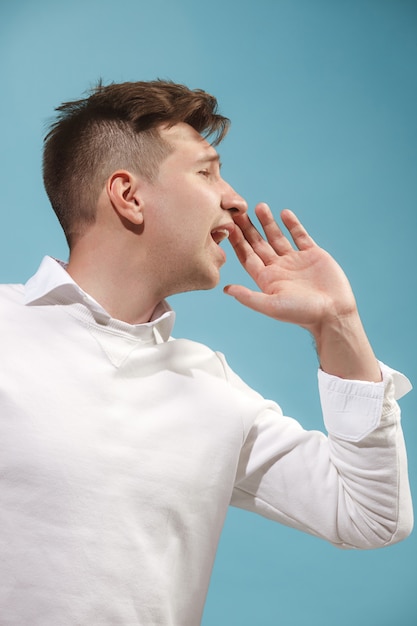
column 120, row 451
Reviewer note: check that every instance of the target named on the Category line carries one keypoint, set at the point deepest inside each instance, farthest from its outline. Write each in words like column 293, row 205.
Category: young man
column 121, row 448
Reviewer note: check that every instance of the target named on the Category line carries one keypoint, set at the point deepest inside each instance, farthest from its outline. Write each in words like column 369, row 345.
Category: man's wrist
column 344, row 350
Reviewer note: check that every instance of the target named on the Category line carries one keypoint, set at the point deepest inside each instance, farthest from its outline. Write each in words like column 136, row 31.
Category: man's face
column 188, row 210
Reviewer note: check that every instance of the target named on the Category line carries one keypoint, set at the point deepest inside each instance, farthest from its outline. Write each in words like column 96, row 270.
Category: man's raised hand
column 299, row 282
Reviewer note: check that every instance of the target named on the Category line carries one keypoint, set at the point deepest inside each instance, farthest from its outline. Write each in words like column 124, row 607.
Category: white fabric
column 120, row 452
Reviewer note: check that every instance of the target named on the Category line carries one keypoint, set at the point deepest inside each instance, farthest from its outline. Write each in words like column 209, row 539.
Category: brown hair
column 116, row 126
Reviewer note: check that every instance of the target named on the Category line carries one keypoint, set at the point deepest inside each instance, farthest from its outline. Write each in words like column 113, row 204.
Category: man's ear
column 123, row 190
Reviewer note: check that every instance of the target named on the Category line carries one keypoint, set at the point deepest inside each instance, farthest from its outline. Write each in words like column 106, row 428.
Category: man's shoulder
column 12, row 292
column 11, row 310
column 195, row 356
column 11, row 301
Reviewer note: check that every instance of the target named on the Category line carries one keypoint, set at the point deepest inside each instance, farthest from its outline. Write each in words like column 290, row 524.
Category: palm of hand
column 304, row 285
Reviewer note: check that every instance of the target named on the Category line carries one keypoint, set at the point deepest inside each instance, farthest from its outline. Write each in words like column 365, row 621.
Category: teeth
column 220, row 234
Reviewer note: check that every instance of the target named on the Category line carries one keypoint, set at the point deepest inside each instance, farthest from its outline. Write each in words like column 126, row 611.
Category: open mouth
column 220, row 234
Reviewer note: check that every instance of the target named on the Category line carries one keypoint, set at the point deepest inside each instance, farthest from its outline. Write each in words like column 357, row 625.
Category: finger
column 245, row 253
column 257, row 301
column 273, row 233
column 298, row 233
column 254, row 239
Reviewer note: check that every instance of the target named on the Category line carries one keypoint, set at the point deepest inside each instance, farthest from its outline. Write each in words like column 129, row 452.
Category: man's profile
column 121, row 447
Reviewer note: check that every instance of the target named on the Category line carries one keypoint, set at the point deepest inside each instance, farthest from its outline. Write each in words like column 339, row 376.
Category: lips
column 221, row 233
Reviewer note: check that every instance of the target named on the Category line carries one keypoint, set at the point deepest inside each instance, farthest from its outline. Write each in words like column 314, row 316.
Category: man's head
column 116, row 126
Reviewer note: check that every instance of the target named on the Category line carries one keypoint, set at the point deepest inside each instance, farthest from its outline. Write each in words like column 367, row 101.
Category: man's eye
column 204, row 172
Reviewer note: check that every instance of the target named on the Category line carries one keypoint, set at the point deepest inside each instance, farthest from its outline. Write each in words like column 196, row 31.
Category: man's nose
column 232, row 201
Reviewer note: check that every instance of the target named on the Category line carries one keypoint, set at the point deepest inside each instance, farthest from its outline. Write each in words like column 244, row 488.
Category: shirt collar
column 53, row 285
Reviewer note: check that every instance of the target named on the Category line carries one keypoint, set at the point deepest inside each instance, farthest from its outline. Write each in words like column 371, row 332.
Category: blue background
column 322, row 97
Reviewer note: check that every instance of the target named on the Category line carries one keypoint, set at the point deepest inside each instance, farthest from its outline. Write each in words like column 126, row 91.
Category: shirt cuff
column 353, row 408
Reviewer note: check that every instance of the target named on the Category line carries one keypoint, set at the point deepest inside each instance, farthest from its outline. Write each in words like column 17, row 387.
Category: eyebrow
column 211, row 158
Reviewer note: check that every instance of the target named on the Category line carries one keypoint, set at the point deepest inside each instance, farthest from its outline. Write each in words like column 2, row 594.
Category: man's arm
column 351, row 487
column 305, row 286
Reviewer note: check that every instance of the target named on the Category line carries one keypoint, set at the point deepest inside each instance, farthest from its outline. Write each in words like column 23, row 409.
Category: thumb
column 255, row 300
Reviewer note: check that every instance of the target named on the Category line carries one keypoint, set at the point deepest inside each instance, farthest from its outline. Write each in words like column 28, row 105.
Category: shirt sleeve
column 349, row 487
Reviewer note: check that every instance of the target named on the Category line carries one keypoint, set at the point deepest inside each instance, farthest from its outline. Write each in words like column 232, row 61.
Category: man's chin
column 202, row 283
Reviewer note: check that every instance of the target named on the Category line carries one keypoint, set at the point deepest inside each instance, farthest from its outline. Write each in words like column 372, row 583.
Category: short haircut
column 116, row 127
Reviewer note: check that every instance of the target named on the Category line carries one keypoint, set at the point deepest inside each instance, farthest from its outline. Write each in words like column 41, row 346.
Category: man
column 122, row 448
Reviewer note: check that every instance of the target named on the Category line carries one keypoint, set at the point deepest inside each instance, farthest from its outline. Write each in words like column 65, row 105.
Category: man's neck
column 124, row 296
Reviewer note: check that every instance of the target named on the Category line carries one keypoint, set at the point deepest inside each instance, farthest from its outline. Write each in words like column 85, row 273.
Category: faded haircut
column 116, row 127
